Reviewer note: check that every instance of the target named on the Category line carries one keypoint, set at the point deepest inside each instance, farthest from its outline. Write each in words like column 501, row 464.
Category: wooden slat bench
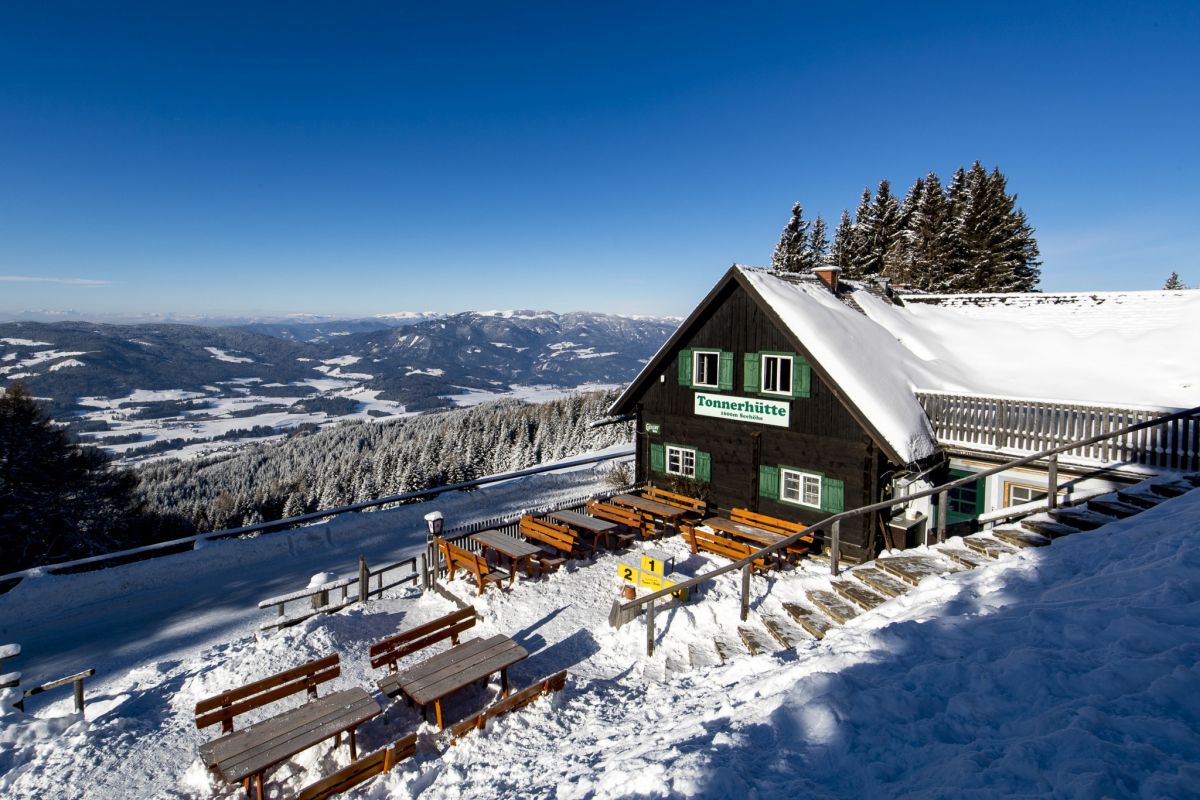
column 719, row 545
column 244, row 756
column 559, row 537
column 696, row 507
column 460, row 558
column 781, row 526
column 632, row 520
column 513, row 702
column 361, row 771
column 386, row 652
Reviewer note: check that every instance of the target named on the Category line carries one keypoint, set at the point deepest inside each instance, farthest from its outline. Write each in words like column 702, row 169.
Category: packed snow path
column 1068, row 671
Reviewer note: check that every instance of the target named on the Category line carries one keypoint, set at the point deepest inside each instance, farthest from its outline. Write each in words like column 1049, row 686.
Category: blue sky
column 361, row 157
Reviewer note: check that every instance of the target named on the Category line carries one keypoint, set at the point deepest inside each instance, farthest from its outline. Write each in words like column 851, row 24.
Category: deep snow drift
column 1065, row 672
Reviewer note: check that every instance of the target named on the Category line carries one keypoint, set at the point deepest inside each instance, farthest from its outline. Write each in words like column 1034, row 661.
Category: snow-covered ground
column 1069, row 672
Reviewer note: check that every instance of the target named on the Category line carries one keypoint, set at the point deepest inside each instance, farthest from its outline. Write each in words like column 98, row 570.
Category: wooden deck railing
column 1016, row 425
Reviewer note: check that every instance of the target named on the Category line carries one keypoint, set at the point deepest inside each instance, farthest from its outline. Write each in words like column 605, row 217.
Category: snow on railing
column 318, row 596
column 292, row 522
column 1025, row 425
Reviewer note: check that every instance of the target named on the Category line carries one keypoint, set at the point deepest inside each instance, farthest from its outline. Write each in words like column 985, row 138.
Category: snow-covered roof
column 863, row 359
column 1098, row 348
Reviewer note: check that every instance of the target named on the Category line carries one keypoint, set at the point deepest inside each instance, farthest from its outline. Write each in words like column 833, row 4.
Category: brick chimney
column 828, row 275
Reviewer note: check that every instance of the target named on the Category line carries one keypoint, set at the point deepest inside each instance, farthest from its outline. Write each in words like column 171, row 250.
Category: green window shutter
column 725, row 371
column 801, row 378
column 685, row 368
column 751, row 379
column 768, row 482
column 658, row 458
column 832, row 495
column 703, row 466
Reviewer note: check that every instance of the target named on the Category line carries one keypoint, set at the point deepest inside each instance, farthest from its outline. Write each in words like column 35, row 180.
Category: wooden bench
column 719, row 545
column 460, row 558
column 781, row 526
column 693, row 505
column 631, row 519
column 361, row 771
column 390, row 650
column 511, row 703
column 244, row 756
column 560, row 537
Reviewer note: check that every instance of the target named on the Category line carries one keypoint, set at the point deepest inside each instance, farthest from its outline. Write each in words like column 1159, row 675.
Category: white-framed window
column 705, row 364
column 777, row 374
column 1020, row 493
column 681, row 461
column 800, row 487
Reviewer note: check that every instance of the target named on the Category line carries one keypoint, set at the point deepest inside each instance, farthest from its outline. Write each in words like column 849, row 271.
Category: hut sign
column 743, row 409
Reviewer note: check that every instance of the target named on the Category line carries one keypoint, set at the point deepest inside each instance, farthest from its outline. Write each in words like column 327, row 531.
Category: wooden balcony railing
column 1014, row 425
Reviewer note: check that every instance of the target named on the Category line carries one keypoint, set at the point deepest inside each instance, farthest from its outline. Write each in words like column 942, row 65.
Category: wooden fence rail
column 319, row 597
column 76, row 679
column 1028, row 426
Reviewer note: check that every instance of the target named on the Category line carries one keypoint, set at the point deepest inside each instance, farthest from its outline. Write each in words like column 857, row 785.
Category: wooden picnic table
column 596, row 527
column 740, row 530
column 517, row 550
column 667, row 513
column 247, row 754
column 458, row 667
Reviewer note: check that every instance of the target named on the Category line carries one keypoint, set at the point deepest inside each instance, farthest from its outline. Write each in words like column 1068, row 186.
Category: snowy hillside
column 1068, row 672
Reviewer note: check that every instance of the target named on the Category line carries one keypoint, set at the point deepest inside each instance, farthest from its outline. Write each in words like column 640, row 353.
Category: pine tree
column 878, row 231
column 840, row 253
column 1173, row 283
column 791, row 254
column 901, row 261
column 58, row 500
column 995, row 250
column 818, row 244
column 855, row 242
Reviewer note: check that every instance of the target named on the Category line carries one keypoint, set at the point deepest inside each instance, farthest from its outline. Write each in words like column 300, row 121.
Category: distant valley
column 153, row 390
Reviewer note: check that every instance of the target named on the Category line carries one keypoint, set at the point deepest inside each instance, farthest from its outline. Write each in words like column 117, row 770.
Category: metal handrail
column 290, row 522
column 832, row 522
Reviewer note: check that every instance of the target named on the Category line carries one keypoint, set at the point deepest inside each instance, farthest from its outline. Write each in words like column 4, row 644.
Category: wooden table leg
column 258, row 779
column 512, row 571
column 437, row 704
column 353, row 746
column 504, row 682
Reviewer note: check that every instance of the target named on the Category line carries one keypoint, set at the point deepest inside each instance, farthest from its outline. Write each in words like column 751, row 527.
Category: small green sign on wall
column 653, row 427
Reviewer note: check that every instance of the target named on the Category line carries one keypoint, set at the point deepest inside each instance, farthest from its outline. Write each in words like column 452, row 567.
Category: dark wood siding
column 822, row 435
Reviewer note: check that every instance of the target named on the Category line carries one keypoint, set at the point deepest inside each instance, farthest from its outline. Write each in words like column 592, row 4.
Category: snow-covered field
column 1065, row 672
column 218, row 414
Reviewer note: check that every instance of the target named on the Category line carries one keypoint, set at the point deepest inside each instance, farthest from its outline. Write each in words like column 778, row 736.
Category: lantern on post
column 434, row 521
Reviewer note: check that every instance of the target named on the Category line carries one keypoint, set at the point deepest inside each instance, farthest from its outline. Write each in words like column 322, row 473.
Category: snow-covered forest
column 969, row 236
column 359, row 461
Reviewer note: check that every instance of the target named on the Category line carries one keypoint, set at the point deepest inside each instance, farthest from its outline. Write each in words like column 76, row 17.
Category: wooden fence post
column 835, row 549
column 943, row 505
column 1052, row 482
column 650, row 628
column 745, row 592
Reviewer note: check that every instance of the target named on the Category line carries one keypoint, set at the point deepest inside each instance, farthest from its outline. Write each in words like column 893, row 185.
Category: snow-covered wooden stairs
column 861, row 589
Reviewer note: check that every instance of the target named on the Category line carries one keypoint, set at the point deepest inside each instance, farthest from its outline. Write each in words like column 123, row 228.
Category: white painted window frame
column 716, row 371
column 802, row 479
column 683, row 455
column 762, row 372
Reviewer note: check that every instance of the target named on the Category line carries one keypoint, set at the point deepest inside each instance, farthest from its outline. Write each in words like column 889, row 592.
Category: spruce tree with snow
column 878, row 231
column 855, row 242
column 995, row 250
column 1173, row 283
column 792, row 254
column 818, row 243
column 901, row 263
column 840, row 253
